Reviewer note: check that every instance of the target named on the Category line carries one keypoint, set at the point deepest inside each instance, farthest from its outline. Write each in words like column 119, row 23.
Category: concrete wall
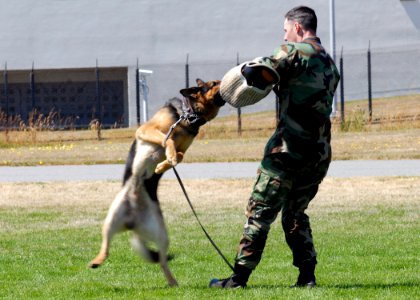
column 74, row 33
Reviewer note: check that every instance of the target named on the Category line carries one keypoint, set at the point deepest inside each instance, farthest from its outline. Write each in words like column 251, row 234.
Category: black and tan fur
column 136, row 206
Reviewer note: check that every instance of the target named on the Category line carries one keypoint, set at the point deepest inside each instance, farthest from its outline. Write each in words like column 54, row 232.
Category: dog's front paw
column 162, row 167
column 173, row 162
column 172, row 159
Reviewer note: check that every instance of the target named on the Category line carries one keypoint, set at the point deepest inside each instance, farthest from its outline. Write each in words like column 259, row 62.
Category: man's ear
column 190, row 92
column 200, row 82
column 298, row 28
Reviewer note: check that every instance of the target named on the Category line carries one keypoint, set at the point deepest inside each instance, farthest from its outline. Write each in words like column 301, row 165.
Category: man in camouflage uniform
column 296, row 157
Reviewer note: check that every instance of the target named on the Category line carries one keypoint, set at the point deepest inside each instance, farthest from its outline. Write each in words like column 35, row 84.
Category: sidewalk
column 342, row 169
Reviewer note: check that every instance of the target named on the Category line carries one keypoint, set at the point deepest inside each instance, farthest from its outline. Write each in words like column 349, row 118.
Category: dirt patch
column 209, row 194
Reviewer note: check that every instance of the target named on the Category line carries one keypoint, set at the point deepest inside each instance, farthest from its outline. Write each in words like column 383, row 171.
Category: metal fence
column 393, row 72
column 97, row 95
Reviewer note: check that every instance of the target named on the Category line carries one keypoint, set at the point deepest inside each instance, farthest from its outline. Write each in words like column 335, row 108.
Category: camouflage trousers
column 288, row 192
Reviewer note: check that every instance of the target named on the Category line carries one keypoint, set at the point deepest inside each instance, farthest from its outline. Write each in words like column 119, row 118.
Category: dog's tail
column 148, row 254
column 129, row 163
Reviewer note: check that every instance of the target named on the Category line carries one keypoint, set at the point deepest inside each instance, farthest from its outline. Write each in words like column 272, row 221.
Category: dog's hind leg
column 163, row 261
column 162, row 243
column 114, row 223
column 140, row 246
column 160, row 257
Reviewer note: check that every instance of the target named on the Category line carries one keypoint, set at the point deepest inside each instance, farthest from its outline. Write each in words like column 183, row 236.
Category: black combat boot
column 306, row 274
column 237, row 280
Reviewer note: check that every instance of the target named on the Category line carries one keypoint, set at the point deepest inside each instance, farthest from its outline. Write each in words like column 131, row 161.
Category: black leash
column 198, row 220
column 191, row 117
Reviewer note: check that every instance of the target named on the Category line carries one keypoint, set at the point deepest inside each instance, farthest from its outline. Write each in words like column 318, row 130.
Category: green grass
column 367, row 240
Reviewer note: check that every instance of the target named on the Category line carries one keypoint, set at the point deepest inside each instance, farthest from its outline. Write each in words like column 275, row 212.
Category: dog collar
column 188, row 113
column 193, row 120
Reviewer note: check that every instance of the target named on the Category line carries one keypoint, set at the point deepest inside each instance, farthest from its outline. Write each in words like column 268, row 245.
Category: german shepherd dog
column 158, row 146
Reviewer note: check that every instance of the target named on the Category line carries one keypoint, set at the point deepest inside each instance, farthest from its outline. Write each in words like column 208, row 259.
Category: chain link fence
column 394, row 72
column 74, row 98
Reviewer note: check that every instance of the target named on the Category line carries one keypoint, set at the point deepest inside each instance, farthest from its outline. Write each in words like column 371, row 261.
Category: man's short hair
column 305, row 16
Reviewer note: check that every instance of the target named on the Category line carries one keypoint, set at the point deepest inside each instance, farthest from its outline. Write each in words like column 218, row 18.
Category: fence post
column 97, row 93
column 342, row 86
column 6, row 96
column 6, row 90
column 332, row 39
column 32, row 86
column 138, row 93
column 187, row 73
column 98, row 99
column 369, row 84
column 239, row 109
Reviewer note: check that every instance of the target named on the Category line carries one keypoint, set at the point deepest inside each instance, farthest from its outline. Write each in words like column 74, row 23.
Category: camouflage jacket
column 308, row 79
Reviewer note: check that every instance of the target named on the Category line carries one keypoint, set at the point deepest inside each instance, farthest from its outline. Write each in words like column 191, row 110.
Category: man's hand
column 259, row 74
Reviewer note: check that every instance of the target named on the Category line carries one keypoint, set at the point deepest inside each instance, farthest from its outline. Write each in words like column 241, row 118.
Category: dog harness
column 189, row 116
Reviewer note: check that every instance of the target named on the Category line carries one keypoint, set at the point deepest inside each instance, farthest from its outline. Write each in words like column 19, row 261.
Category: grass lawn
column 366, row 231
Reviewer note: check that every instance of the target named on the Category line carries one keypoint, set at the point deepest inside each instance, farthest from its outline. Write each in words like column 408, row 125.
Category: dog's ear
column 200, row 82
column 190, row 92
column 213, row 83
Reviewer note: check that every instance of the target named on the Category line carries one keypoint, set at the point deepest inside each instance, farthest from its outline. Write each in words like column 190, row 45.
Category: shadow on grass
column 346, row 286
column 373, row 285
column 162, row 290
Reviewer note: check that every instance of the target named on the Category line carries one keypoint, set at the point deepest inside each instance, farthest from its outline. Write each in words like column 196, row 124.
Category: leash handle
column 198, row 220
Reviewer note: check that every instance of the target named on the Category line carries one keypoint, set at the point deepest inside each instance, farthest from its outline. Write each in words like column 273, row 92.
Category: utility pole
column 332, row 50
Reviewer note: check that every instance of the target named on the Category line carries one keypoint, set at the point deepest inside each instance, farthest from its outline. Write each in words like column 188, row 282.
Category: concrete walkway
column 343, row 169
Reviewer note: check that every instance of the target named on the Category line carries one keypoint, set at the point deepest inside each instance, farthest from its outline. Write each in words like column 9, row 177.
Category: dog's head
column 204, row 98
